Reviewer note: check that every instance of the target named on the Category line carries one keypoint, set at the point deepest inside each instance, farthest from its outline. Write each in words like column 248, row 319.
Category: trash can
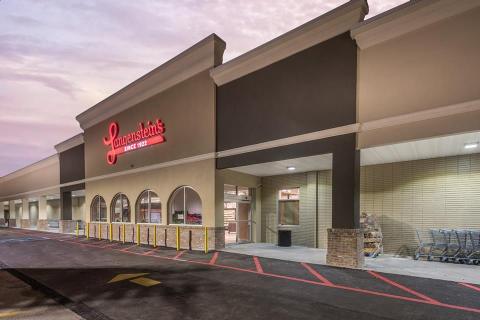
column 284, row 238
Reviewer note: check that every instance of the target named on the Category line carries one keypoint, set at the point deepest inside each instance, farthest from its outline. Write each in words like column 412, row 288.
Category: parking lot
column 98, row 279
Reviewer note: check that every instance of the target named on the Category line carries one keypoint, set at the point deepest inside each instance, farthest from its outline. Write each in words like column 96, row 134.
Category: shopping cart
column 464, row 244
column 424, row 245
column 452, row 246
column 432, row 245
column 474, row 255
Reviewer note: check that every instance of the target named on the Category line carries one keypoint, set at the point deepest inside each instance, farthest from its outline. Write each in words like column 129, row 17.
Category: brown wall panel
column 309, row 91
column 72, row 164
column 188, row 113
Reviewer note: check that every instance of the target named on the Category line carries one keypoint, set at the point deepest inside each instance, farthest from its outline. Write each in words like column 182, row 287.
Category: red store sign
column 145, row 136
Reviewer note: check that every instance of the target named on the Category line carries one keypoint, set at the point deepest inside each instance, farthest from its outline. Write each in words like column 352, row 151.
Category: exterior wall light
column 290, row 168
column 471, row 145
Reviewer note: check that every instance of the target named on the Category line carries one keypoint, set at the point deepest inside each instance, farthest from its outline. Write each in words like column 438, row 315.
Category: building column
column 66, row 205
column 2, row 214
column 345, row 239
column 25, row 216
column 66, row 225
column 42, row 213
column 12, row 221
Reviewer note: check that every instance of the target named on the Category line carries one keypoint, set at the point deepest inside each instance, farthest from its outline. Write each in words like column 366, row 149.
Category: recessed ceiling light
column 471, row 145
column 290, row 168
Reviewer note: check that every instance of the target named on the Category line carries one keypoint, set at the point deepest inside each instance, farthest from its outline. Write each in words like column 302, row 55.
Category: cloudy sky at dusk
column 60, row 57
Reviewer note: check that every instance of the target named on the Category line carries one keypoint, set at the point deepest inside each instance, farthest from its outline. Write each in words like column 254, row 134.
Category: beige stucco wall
column 199, row 175
column 53, row 209
column 188, row 112
column 431, row 67
column 78, row 208
column 43, row 177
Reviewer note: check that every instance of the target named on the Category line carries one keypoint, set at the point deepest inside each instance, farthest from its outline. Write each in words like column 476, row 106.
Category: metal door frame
column 237, row 221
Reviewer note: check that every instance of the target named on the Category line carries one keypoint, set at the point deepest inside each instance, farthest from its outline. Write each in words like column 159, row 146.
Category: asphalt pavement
column 98, row 279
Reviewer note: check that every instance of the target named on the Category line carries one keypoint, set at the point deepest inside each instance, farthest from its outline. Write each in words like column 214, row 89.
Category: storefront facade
column 337, row 118
column 149, row 161
column 27, row 195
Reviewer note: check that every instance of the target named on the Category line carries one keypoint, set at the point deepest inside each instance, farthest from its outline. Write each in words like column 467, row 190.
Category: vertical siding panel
column 423, row 194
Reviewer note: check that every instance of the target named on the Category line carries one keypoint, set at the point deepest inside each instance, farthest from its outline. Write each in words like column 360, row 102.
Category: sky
column 60, row 57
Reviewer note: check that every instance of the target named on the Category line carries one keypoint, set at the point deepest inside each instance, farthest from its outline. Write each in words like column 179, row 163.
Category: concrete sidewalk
column 384, row 263
column 20, row 301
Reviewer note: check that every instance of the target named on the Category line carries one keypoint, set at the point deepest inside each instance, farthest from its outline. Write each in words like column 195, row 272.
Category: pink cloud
column 58, row 58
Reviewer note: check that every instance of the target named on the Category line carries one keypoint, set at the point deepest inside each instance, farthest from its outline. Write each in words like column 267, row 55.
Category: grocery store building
column 290, row 142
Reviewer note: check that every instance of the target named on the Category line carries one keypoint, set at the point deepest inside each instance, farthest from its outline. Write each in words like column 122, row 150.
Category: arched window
column 120, row 208
column 185, row 206
column 98, row 209
column 148, row 208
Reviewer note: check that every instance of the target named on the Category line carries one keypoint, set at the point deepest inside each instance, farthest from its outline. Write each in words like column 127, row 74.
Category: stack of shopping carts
column 449, row 245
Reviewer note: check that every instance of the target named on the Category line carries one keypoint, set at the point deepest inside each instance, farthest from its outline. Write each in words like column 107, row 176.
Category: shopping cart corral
column 449, row 245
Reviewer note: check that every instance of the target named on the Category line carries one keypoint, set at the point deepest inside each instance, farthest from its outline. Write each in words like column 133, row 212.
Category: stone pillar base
column 219, row 238
column 67, row 226
column 25, row 223
column 12, row 223
column 345, row 248
column 191, row 237
column 42, row 225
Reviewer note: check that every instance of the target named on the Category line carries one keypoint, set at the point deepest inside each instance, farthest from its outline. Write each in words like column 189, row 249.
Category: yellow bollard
column 123, row 233
column 138, row 234
column 76, row 229
column 206, row 240
column 111, row 233
column 178, row 238
column 88, row 230
column 100, row 231
column 154, row 236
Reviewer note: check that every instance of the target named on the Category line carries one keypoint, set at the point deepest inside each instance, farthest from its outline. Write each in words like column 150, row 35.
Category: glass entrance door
column 237, row 211
column 243, row 222
column 238, row 222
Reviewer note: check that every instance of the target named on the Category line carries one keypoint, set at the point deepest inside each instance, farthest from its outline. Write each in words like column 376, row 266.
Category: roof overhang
column 405, row 18
column 327, row 26
column 200, row 57
column 70, row 143
column 52, row 160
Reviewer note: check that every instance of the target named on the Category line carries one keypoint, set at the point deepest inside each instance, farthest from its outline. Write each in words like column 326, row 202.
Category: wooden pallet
column 372, row 235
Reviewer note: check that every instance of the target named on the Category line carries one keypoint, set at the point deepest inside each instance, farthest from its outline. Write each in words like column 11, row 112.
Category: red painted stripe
column 179, row 254
column 127, row 248
column 109, row 245
column 258, row 265
column 150, row 252
column 316, row 274
column 471, row 286
column 214, row 258
column 402, row 287
column 357, row 290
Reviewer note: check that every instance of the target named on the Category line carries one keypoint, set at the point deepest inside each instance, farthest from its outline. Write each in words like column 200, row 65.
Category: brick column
column 67, row 226
column 25, row 217
column 42, row 213
column 344, row 248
